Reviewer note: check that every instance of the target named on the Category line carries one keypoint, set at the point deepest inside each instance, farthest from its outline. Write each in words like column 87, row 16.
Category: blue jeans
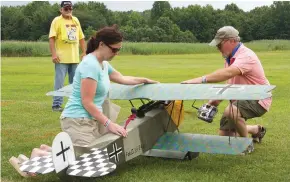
column 60, row 73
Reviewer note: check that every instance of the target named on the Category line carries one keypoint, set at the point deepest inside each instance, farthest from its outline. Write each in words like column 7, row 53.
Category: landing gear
column 191, row 155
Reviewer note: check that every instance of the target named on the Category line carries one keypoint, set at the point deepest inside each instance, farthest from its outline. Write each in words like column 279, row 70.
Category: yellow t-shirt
column 67, row 34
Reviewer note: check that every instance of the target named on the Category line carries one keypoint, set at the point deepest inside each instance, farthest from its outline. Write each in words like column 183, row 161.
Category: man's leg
column 71, row 72
column 253, row 129
column 60, row 73
column 232, row 121
column 246, row 110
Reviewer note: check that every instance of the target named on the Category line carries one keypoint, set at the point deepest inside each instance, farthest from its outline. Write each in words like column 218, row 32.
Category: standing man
column 242, row 66
column 65, row 37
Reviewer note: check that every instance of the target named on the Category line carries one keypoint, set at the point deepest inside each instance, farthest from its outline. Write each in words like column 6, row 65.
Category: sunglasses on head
column 67, row 8
column 114, row 50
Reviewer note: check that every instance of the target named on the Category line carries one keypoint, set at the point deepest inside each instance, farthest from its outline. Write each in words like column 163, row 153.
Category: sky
column 145, row 5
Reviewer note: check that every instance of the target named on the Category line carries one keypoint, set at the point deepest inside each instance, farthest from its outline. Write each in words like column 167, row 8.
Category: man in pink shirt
column 242, row 66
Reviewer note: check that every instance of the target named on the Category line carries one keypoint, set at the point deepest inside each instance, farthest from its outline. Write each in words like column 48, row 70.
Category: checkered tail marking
column 39, row 165
column 92, row 164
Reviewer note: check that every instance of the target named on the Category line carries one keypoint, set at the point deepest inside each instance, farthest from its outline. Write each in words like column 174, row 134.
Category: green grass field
column 41, row 49
column 27, row 120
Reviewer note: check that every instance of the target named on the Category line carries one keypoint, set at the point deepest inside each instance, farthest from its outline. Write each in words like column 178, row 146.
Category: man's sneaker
column 257, row 138
column 249, row 149
column 57, row 108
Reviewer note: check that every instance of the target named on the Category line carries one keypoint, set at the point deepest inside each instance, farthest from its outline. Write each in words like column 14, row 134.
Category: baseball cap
column 223, row 33
column 65, row 3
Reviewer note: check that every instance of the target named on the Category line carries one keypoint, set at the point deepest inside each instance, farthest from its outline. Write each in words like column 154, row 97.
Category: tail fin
column 63, row 153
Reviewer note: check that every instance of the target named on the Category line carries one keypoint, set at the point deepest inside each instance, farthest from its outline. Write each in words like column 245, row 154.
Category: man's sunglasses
column 67, row 8
column 114, row 50
column 219, row 46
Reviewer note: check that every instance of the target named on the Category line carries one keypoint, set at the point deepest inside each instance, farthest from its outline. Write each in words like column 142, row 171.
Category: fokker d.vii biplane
column 151, row 130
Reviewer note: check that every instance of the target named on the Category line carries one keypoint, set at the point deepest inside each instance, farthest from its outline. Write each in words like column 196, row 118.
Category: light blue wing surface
column 174, row 91
column 185, row 142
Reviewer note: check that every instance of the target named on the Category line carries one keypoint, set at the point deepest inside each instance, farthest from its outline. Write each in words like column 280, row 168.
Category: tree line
column 161, row 23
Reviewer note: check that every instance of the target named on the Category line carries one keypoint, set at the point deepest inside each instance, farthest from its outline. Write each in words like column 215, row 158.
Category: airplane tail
column 62, row 156
column 94, row 163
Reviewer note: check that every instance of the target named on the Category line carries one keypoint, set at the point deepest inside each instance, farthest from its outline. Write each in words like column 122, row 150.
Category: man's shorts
column 82, row 131
column 248, row 109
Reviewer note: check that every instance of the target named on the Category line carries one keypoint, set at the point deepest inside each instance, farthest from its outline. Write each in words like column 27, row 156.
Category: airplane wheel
column 191, row 155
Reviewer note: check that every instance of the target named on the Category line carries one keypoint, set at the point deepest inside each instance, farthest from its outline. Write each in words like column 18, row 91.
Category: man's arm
column 223, row 74
column 217, row 76
column 55, row 58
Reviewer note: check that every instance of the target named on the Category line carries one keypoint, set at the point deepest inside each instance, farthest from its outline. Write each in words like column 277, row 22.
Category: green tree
column 89, row 32
column 159, row 9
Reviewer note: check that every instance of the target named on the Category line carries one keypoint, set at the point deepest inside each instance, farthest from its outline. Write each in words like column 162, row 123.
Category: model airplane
column 151, row 130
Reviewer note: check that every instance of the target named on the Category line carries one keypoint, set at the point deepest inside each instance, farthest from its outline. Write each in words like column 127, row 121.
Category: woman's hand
column 117, row 129
column 147, row 80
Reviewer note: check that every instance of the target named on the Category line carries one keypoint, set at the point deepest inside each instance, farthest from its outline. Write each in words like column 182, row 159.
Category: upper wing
column 39, row 165
column 64, row 91
column 174, row 91
column 92, row 164
column 168, row 91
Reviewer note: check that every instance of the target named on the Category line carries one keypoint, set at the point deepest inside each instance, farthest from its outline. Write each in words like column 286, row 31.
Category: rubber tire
column 191, row 155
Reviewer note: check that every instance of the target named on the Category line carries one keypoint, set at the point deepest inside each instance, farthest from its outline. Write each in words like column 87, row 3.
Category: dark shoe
column 57, row 109
column 257, row 138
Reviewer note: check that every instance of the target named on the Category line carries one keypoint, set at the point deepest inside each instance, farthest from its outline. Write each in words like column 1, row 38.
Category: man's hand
column 193, row 81
column 55, row 59
column 214, row 102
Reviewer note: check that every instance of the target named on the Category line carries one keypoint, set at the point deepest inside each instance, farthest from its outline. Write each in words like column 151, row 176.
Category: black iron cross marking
column 115, row 153
column 62, row 151
column 222, row 89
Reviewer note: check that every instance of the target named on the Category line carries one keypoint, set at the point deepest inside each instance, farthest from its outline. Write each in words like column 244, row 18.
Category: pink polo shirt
column 252, row 71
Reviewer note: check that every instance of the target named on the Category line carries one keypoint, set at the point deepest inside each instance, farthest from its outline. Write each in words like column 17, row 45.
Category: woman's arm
column 117, row 77
column 88, row 91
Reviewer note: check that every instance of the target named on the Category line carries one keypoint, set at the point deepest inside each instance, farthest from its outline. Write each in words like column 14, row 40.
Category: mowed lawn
column 28, row 121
